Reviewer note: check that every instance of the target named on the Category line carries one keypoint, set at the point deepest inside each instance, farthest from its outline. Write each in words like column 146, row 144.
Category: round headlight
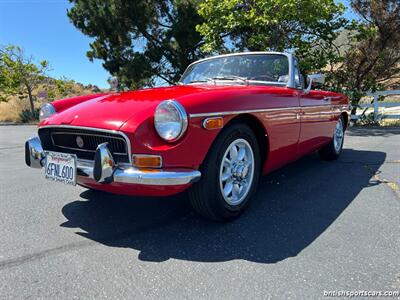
column 46, row 111
column 170, row 120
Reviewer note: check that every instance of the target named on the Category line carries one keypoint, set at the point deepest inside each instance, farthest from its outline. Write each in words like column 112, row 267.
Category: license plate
column 61, row 167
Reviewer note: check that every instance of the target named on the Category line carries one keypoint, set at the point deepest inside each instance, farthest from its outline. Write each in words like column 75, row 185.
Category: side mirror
column 314, row 78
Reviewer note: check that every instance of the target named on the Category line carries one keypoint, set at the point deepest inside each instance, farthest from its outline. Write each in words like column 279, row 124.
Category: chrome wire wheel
column 236, row 172
column 338, row 136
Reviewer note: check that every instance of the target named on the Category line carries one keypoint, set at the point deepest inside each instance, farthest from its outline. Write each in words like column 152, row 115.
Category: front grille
column 83, row 142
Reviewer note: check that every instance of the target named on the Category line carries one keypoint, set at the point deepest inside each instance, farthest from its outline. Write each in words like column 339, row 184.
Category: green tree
column 20, row 75
column 307, row 26
column 370, row 54
column 141, row 42
column 59, row 88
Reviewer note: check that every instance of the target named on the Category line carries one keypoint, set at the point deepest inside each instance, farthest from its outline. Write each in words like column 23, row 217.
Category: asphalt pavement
column 313, row 226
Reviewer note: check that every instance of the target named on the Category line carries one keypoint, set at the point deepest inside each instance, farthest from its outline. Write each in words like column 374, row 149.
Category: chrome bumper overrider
column 104, row 170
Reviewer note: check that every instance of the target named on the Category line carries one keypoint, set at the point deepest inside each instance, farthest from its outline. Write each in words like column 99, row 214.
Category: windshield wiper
column 227, row 77
column 202, row 80
column 230, row 77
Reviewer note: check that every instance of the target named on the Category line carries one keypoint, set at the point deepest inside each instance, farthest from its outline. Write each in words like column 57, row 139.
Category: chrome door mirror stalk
column 314, row 78
column 104, row 164
column 34, row 154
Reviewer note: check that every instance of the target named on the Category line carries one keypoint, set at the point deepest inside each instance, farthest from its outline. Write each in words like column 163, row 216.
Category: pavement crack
column 13, row 262
column 391, row 184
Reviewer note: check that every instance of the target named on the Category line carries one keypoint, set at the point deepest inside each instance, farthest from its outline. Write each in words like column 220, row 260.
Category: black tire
column 206, row 196
column 329, row 152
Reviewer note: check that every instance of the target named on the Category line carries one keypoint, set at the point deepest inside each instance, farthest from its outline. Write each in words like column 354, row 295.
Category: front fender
column 188, row 152
column 63, row 104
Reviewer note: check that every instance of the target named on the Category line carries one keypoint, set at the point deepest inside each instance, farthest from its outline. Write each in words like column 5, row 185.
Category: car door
column 316, row 120
column 282, row 121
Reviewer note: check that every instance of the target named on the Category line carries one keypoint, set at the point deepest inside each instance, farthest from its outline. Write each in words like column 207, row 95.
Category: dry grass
column 389, row 123
column 10, row 111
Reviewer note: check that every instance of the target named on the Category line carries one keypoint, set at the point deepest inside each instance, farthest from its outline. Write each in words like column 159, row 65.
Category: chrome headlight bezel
column 164, row 127
column 46, row 110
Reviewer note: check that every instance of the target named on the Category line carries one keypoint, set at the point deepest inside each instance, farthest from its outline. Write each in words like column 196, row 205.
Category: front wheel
column 230, row 175
column 334, row 148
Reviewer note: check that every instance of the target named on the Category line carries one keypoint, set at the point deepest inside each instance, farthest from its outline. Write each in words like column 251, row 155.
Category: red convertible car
column 230, row 119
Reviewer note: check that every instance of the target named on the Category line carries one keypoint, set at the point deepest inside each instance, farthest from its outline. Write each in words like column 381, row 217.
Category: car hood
column 111, row 111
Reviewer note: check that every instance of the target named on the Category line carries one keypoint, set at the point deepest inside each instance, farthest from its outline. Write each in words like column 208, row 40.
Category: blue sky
column 43, row 29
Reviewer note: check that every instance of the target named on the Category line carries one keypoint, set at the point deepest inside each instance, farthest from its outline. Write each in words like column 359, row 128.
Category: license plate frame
column 63, row 168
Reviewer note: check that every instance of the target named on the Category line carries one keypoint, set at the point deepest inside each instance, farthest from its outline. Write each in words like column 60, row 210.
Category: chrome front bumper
column 104, row 170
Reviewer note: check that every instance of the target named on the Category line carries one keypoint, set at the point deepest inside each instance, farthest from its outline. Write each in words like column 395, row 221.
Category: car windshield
column 265, row 69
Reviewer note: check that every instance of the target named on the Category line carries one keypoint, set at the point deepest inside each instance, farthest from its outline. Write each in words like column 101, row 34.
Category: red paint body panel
column 317, row 122
column 132, row 189
column 293, row 123
column 63, row 104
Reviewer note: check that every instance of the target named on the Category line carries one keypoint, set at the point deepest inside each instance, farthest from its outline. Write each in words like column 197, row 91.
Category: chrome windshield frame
column 290, row 57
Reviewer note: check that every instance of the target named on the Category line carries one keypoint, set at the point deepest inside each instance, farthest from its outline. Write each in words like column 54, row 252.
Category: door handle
column 327, row 99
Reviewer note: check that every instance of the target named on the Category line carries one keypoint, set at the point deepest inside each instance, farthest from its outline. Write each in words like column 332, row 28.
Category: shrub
column 27, row 116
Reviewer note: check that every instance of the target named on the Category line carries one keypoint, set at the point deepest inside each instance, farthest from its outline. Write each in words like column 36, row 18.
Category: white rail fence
column 376, row 105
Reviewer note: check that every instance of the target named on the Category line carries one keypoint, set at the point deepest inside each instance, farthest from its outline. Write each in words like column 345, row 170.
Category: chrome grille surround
column 50, row 136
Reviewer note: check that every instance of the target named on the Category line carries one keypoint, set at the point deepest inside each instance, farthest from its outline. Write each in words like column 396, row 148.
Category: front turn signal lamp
column 213, row 123
column 146, row 161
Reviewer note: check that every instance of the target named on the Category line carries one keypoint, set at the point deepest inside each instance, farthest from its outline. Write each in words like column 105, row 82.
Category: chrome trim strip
column 234, row 112
column 128, row 143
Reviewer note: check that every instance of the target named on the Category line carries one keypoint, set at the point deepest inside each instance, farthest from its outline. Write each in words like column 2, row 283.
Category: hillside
column 51, row 89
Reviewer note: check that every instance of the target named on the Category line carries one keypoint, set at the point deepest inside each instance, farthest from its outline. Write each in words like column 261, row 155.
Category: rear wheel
column 230, row 175
column 334, row 148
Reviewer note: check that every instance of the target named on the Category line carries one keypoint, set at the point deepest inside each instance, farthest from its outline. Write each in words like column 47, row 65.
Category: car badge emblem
column 79, row 142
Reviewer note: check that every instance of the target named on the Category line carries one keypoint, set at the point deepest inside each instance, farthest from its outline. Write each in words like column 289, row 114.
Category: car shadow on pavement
column 292, row 208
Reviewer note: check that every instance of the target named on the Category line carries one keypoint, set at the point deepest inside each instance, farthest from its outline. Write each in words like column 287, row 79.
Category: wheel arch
column 259, row 130
column 346, row 119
